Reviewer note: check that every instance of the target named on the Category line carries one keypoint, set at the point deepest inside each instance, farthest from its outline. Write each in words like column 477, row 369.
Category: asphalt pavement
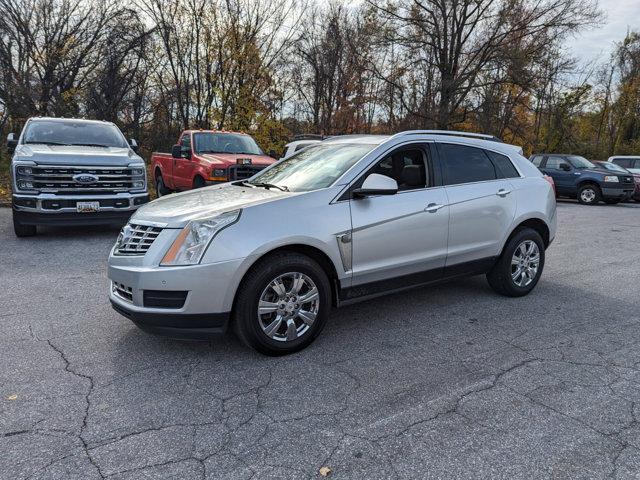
column 451, row 381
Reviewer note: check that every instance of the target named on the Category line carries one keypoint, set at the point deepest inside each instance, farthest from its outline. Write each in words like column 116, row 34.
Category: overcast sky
column 597, row 43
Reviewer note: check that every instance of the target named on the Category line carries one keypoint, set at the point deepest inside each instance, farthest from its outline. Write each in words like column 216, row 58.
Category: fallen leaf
column 325, row 471
column 12, row 397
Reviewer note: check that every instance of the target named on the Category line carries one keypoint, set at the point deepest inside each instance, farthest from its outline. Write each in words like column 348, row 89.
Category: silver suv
column 341, row 221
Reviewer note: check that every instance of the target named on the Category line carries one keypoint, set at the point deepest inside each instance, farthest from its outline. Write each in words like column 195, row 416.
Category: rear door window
column 623, row 162
column 503, row 165
column 537, row 160
column 464, row 164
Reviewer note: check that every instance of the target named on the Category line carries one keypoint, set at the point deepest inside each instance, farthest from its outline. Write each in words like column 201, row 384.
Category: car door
column 563, row 174
column 183, row 166
column 482, row 204
column 404, row 234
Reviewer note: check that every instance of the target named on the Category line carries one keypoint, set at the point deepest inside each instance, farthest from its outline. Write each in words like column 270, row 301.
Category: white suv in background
column 341, row 221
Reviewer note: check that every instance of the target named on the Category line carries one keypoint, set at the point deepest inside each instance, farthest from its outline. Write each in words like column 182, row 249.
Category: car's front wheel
column 589, row 194
column 22, row 230
column 282, row 304
column 519, row 268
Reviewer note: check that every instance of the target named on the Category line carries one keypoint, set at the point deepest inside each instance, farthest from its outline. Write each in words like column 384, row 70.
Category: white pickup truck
column 74, row 172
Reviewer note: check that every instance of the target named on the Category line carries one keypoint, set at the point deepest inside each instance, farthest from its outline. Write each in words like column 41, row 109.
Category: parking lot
column 450, row 381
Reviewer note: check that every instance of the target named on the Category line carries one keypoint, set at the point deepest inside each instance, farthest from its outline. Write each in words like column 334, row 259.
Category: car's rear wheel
column 22, row 230
column 161, row 188
column 282, row 304
column 520, row 266
column 589, row 194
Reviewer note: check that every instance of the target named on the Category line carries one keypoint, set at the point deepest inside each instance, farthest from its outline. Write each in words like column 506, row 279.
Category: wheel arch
column 310, row 251
column 534, row 223
column 588, row 181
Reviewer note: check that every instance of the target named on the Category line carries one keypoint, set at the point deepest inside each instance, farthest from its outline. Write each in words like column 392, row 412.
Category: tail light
column 550, row 180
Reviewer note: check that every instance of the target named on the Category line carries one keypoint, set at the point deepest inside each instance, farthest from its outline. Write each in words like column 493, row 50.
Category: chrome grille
column 136, row 239
column 63, row 179
column 240, row 172
column 122, row 291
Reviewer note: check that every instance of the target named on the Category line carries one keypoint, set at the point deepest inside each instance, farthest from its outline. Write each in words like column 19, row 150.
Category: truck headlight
column 189, row 247
column 611, row 178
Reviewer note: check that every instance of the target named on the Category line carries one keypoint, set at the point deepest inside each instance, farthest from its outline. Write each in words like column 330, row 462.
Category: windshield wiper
column 88, row 145
column 282, row 188
column 48, row 143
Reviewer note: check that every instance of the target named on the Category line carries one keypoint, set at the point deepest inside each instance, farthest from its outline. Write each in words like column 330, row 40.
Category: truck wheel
column 519, row 268
column 199, row 182
column 161, row 188
column 589, row 194
column 22, row 230
column 282, row 304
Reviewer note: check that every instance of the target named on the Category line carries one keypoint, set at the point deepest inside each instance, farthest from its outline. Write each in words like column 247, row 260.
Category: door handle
column 433, row 207
column 503, row 192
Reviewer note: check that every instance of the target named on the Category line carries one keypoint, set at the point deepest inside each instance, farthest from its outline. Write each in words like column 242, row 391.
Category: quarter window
column 185, row 143
column 537, row 160
column 463, row 164
column 503, row 165
column 624, row 162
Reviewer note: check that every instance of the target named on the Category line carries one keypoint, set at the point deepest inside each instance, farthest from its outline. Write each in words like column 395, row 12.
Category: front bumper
column 205, row 311
column 617, row 193
column 50, row 209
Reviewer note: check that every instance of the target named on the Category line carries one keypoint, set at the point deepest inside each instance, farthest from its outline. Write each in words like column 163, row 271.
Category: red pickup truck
column 205, row 157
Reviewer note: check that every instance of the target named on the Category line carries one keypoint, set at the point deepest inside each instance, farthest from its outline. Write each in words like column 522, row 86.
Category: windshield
column 612, row 166
column 317, row 166
column 71, row 132
column 580, row 162
column 209, row 142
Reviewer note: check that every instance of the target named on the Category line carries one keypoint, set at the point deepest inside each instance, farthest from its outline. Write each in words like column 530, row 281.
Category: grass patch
column 5, row 182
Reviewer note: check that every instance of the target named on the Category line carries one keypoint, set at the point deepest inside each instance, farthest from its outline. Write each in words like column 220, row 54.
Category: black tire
column 500, row 276
column 612, row 201
column 246, row 321
column 22, row 230
column 589, row 199
column 161, row 188
column 199, row 182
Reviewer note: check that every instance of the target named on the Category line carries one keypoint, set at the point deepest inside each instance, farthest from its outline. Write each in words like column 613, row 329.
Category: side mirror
column 376, row 184
column 565, row 167
column 273, row 153
column 178, row 152
column 133, row 144
column 12, row 142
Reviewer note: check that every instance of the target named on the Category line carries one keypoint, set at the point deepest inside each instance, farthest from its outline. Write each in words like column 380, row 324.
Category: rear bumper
column 200, row 326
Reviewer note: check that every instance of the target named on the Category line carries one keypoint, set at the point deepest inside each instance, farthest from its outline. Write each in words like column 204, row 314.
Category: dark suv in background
column 577, row 177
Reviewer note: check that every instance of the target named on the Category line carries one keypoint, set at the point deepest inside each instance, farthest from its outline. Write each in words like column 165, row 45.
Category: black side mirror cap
column 12, row 142
column 565, row 167
column 273, row 153
column 133, row 144
column 176, row 151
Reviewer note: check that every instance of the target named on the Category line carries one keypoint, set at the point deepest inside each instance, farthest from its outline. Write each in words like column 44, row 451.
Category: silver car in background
column 341, row 221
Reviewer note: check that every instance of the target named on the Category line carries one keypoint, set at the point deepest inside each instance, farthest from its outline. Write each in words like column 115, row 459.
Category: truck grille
column 240, row 172
column 136, row 239
column 85, row 180
column 627, row 179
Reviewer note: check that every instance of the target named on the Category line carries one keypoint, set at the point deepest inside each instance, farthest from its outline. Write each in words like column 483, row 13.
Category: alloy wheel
column 288, row 306
column 525, row 263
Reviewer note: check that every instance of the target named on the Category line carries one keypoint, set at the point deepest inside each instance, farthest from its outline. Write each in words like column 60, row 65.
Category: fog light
column 25, row 185
column 138, row 184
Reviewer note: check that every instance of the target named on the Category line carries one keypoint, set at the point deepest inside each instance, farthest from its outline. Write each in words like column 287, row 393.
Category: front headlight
column 189, row 247
column 611, row 178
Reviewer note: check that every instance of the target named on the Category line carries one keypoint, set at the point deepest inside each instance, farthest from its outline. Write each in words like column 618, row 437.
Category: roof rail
column 452, row 133
column 308, row 136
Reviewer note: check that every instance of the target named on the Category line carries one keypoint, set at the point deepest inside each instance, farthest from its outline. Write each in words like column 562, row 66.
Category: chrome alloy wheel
column 288, row 306
column 588, row 195
column 525, row 263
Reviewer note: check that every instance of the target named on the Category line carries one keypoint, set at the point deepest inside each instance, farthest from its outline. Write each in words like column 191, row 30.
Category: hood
column 232, row 158
column 177, row 209
column 76, row 155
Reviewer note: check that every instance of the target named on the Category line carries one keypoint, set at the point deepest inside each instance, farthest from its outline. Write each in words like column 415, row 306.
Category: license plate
column 87, row 207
